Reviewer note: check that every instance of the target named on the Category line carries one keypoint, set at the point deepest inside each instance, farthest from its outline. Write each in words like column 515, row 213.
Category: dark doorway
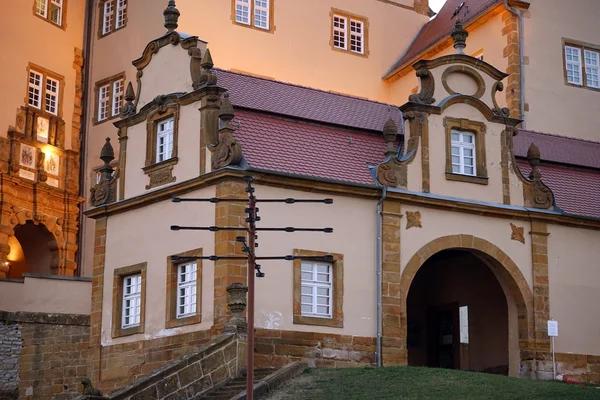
column 30, row 250
column 457, row 315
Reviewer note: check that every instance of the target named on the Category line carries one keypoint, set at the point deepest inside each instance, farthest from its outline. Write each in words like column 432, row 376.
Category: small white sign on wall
column 552, row 328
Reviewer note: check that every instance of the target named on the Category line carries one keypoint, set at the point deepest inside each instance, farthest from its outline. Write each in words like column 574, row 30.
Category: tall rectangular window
column 253, row 13
column 592, row 65
column 132, row 294
column 316, row 289
column 44, row 89
column 51, row 10
column 35, row 89
column 164, row 140
column 52, row 95
column 348, row 32
column 582, row 65
column 463, row 153
column 113, row 16
column 103, row 102
column 117, row 100
column 109, row 97
column 186, row 289
column 573, row 60
column 242, row 11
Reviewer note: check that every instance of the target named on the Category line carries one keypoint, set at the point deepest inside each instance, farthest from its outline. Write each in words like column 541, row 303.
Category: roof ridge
column 306, row 87
column 560, row 136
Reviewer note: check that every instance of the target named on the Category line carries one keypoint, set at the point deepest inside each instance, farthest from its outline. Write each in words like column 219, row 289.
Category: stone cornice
column 345, row 189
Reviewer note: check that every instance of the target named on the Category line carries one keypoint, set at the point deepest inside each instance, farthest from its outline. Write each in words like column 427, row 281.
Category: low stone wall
column 276, row 348
column 10, row 350
column 579, row 367
column 52, row 354
column 189, row 376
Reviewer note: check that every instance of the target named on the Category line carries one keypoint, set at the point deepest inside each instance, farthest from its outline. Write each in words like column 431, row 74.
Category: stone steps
column 236, row 386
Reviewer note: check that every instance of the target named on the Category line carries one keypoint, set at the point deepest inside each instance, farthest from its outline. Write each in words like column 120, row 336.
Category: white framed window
column 108, row 16
column 316, row 289
column 132, row 299
column 52, row 10
column 356, row 36
column 103, row 102
column 339, row 32
column 187, row 275
column 164, row 140
column 592, row 65
column 261, row 14
column 117, row 96
column 121, row 13
column 463, row 153
column 573, row 65
column 242, row 11
column 52, row 87
column 41, row 7
column 34, row 97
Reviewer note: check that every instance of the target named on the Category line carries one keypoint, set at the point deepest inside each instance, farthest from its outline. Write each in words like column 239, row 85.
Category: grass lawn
column 422, row 383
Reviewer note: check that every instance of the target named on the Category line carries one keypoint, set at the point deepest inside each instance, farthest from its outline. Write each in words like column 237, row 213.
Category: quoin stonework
column 461, row 154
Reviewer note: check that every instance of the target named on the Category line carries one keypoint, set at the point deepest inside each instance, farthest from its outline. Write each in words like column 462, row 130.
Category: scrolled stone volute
column 390, row 131
column 171, row 17
column 237, row 304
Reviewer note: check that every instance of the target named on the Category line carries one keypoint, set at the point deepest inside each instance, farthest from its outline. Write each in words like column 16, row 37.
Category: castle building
column 460, row 151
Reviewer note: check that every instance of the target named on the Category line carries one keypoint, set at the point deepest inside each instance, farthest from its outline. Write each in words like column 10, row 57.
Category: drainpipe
column 87, row 51
column 379, row 269
column 521, row 59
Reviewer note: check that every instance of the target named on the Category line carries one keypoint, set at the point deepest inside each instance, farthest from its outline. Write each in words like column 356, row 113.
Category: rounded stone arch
column 504, row 268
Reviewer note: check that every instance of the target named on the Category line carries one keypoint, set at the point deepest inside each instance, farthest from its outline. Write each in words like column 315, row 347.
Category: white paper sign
column 552, row 328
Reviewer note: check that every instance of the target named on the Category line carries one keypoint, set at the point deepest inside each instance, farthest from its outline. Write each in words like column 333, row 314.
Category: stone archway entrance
column 467, row 307
column 31, row 250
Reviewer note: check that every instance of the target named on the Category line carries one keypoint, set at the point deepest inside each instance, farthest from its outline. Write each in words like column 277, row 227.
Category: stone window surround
column 251, row 25
column 349, row 16
column 117, row 301
column 63, row 17
column 46, row 73
column 582, row 46
column 171, row 315
column 101, row 18
column 337, row 266
column 110, row 82
column 478, row 129
column 152, row 168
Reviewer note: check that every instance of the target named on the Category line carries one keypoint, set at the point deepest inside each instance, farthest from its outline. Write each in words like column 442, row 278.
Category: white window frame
column 51, row 95
column 42, row 12
column 461, row 145
column 59, row 4
column 35, row 87
column 45, row 11
column 314, row 284
column 341, row 31
column 573, row 66
column 132, row 301
column 358, row 36
column 167, row 135
column 187, row 290
column 118, row 91
column 103, row 102
column 592, row 69
column 108, row 16
column 241, row 6
column 265, row 10
column 120, row 14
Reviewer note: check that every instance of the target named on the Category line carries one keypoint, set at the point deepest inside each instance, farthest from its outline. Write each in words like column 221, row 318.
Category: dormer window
column 463, row 153
column 253, row 13
column 164, row 140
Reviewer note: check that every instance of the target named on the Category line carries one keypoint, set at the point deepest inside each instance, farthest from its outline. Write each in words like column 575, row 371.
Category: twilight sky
column 436, row 4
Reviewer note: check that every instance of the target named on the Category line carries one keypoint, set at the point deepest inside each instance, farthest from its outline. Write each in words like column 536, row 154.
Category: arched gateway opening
column 30, row 250
column 468, row 307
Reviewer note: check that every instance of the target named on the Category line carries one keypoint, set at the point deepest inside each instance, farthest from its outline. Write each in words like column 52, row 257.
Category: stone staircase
column 236, row 386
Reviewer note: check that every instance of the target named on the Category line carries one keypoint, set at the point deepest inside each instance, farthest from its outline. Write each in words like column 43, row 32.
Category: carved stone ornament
column 459, row 35
column 129, row 107
column 161, row 173
column 228, row 151
column 105, row 192
column 535, row 192
column 237, row 305
column 425, row 96
column 208, row 78
column 386, row 175
column 413, row 219
column 518, row 233
column 497, row 110
column 171, row 16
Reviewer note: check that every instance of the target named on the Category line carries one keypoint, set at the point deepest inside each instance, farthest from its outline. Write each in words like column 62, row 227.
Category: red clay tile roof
column 577, row 191
column 302, row 102
column 559, row 149
column 439, row 28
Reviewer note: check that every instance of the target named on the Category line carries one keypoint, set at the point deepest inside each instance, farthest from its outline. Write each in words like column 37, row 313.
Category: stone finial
column 107, row 154
column 207, row 61
column 171, row 16
column 390, row 131
column 237, row 305
column 226, row 112
column 128, row 108
column 129, row 93
column 533, row 157
column 459, row 35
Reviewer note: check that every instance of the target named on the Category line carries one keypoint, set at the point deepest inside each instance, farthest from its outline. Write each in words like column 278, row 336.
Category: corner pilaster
column 541, row 291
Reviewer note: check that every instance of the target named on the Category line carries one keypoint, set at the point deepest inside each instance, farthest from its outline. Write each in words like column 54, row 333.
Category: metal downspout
column 521, row 60
column 379, row 269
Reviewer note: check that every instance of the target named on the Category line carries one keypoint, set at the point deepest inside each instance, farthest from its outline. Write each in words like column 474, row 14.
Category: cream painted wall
column 354, row 236
column 555, row 107
column 574, row 277
column 487, row 37
column 438, row 223
column 143, row 235
column 42, row 295
column 492, row 192
column 28, row 38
